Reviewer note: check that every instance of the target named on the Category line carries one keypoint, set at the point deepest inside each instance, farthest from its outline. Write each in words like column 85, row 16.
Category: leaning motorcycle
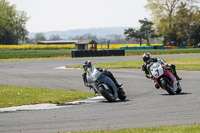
column 104, row 86
column 165, row 78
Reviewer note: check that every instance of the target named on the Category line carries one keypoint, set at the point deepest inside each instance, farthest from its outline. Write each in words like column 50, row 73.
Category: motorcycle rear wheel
column 121, row 94
column 166, row 86
column 179, row 89
column 107, row 94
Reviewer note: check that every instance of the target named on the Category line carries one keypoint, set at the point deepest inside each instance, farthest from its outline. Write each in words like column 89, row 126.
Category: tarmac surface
column 145, row 106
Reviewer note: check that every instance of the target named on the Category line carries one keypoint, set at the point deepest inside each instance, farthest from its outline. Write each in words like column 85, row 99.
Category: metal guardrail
column 155, row 47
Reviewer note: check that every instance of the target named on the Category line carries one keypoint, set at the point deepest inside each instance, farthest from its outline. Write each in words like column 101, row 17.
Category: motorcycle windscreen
column 93, row 75
column 156, row 69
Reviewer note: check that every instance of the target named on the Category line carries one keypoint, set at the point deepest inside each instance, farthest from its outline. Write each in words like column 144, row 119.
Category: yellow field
column 70, row 46
column 67, row 46
column 117, row 46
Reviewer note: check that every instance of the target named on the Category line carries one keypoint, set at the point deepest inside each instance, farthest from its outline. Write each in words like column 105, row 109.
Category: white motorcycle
column 104, row 86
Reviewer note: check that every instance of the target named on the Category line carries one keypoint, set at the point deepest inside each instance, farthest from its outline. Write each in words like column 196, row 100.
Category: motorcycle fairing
column 169, row 75
column 93, row 75
column 103, row 80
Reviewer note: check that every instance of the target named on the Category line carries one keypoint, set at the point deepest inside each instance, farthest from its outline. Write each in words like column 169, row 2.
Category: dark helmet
column 87, row 64
column 146, row 56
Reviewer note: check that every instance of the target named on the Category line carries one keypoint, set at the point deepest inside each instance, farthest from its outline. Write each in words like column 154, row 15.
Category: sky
column 63, row 15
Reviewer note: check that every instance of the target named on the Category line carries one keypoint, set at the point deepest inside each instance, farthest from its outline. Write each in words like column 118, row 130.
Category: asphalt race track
column 145, row 106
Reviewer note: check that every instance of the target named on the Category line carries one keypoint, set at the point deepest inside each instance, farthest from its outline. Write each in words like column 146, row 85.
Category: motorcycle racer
column 87, row 66
column 148, row 60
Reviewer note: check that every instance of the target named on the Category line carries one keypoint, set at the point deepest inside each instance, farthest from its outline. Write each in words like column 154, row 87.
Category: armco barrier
column 182, row 47
column 155, row 47
column 138, row 48
column 171, row 47
column 159, row 47
column 189, row 46
column 96, row 53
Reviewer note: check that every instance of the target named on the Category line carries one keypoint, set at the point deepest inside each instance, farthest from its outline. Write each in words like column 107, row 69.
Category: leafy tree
column 40, row 37
column 194, row 37
column 183, row 19
column 146, row 32
column 55, row 37
column 86, row 36
column 194, row 28
column 164, row 15
column 12, row 24
column 132, row 33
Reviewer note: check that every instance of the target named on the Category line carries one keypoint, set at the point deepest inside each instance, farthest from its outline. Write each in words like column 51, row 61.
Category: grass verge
column 188, row 64
column 21, row 54
column 15, row 96
column 163, row 51
column 168, row 129
column 45, row 53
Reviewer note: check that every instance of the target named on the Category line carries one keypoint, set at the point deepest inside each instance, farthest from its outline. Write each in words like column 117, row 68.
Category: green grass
column 9, row 54
column 188, row 64
column 15, row 96
column 31, row 53
column 168, row 129
column 164, row 51
column 30, row 59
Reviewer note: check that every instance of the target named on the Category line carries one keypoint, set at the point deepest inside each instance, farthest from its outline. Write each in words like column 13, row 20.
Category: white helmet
column 146, row 56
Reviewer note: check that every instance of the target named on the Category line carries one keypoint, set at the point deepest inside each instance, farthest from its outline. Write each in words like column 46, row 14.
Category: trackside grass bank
column 28, row 53
column 46, row 53
column 15, row 96
column 163, row 51
column 168, row 129
column 188, row 64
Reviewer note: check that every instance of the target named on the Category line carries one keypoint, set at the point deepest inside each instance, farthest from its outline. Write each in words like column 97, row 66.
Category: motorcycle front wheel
column 167, row 87
column 107, row 94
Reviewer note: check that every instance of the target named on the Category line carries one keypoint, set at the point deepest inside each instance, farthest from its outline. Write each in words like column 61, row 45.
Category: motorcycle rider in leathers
column 148, row 59
column 87, row 65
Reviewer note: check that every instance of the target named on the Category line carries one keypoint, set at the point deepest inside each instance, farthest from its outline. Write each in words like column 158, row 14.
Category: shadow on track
column 117, row 101
column 182, row 93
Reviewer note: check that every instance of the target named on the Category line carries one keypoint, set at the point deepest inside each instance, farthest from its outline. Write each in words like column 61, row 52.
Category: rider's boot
column 118, row 85
column 95, row 92
column 174, row 71
column 177, row 77
column 156, row 85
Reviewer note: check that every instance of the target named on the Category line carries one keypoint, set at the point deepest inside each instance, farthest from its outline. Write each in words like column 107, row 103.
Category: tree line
column 173, row 22
column 114, row 39
column 12, row 24
column 177, row 22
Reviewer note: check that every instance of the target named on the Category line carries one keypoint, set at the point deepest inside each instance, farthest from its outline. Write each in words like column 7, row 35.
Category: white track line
column 46, row 106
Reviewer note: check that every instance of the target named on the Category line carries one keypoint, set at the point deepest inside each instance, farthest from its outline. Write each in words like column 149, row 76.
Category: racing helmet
column 146, row 57
column 87, row 64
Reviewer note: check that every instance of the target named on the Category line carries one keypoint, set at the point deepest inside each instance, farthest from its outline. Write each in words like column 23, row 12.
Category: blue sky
column 62, row 15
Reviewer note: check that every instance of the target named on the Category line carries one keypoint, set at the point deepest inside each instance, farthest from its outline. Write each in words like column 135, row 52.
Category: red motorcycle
column 165, row 78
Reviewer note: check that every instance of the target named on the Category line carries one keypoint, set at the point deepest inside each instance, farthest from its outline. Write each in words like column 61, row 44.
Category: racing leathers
column 152, row 60
column 105, row 72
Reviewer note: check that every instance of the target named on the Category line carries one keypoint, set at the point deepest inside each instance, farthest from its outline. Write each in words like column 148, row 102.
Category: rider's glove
column 166, row 66
column 151, row 76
